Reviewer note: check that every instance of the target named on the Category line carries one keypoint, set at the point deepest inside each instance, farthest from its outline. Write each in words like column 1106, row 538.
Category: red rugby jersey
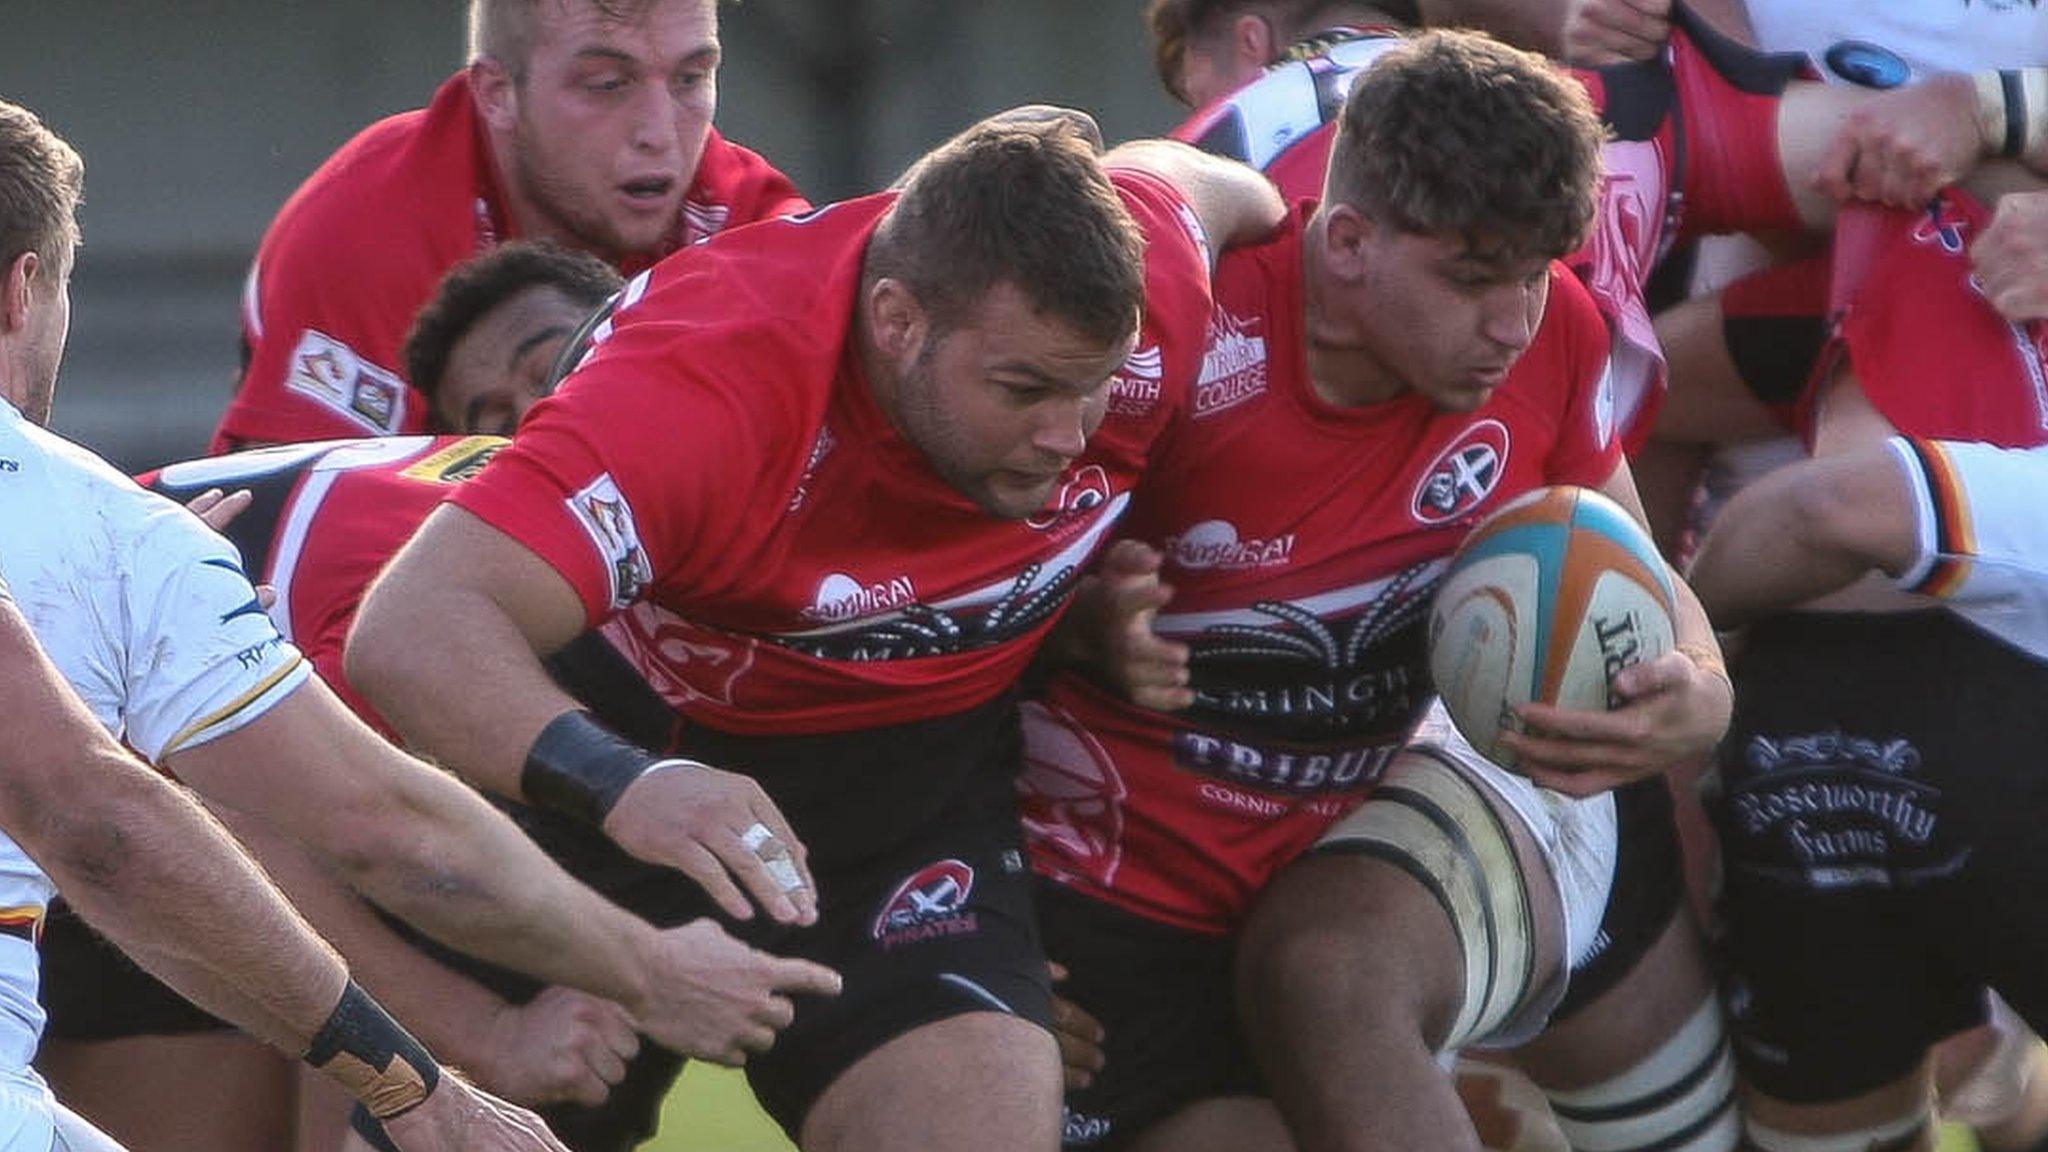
column 362, row 244
column 1694, row 151
column 1304, row 542
column 1912, row 323
column 325, row 519
column 718, row 454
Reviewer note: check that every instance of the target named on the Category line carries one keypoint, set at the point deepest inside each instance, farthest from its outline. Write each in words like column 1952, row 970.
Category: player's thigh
column 1450, row 899
column 1163, row 995
column 198, row 1092
column 978, row 1082
column 1219, row 1124
column 1893, row 1117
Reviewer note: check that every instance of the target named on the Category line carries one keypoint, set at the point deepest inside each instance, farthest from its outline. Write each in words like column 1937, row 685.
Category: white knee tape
column 1680, row 1098
column 1427, row 819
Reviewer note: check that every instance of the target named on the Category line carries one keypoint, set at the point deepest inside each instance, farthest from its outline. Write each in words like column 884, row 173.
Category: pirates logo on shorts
column 930, row 904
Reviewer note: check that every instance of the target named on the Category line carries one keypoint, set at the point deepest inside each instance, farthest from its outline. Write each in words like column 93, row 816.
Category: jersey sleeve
column 1588, row 447
column 1178, row 291
column 321, row 331
column 637, row 470
column 199, row 656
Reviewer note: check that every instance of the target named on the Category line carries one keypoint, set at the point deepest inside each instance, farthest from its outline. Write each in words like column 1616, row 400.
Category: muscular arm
column 1234, row 204
column 144, row 864
column 540, row 1060
column 420, row 844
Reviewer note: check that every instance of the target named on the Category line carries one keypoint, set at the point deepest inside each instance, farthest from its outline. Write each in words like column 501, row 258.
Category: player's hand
column 700, row 821
column 563, row 1046
column 2011, row 257
column 1079, row 1034
column 1151, row 670
column 711, row 997
column 1904, row 145
column 1602, row 32
column 1676, row 711
column 457, row 1117
column 219, row 508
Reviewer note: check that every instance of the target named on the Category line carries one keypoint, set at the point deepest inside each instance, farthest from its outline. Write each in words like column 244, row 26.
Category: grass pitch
column 712, row 1111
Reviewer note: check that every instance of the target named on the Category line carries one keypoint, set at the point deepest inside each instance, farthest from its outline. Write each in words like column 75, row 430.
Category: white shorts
column 31, row 1120
column 1429, row 815
column 1983, row 536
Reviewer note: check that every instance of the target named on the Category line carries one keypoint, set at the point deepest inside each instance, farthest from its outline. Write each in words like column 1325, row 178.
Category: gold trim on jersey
column 236, row 705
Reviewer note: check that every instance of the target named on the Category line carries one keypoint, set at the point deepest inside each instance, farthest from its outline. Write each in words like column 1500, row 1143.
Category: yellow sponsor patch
column 457, row 462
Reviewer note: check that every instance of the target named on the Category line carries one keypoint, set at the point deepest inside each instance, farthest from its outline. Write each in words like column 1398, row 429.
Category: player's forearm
column 445, row 1009
column 145, row 865
column 1233, row 203
column 435, row 854
column 1537, row 25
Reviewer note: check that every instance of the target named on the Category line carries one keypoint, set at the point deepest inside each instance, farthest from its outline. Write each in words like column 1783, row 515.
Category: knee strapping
column 1430, row 821
column 1680, row 1098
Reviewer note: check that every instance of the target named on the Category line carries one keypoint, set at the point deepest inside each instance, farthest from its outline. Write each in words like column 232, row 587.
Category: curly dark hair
column 474, row 287
column 1457, row 134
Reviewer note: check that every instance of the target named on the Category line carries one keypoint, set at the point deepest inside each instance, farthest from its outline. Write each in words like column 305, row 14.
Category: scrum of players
column 960, row 652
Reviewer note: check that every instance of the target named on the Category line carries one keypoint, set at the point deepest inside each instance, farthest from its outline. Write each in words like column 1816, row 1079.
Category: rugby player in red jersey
column 864, row 455
column 583, row 122
column 1881, row 806
column 1394, row 365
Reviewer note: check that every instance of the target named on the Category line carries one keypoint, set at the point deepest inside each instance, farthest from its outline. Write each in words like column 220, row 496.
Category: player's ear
column 18, row 292
column 1347, row 233
column 492, row 86
column 896, row 318
column 1252, row 42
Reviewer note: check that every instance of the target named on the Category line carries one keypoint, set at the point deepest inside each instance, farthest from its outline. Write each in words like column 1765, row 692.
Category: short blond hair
column 41, row 183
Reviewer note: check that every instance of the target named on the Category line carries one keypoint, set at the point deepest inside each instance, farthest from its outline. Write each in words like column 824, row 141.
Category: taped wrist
column 2012, row 114
column 579, row 768
column 373, row 1057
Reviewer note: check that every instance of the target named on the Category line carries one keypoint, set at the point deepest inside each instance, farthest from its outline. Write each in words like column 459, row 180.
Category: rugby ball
column 1545, row 601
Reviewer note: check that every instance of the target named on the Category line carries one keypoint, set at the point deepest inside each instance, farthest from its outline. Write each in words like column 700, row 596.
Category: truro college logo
column 930, row 904
column 1463, row 475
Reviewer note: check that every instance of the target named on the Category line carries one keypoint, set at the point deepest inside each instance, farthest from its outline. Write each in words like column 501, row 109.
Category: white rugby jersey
column 146, row 612
column 1927, row 36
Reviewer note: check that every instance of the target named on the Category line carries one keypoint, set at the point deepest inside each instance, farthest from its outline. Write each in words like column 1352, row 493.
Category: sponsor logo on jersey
column 1603, row 406
column 1463, row 475
column 1134, row 390
column 683, row 663
column 1348, row 664
column 608, row 520
column 458, row 463
column 1080, row 494
column 1233, row 368
column 930, row 904
column 820, row 448
column 337, row 378
column 1215, row 544
column 1069, row 795
column 841, row 598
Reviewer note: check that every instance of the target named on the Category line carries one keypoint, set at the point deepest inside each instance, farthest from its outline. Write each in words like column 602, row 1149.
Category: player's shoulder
column 1571, row 318
column 404, row 180
column 736, row 185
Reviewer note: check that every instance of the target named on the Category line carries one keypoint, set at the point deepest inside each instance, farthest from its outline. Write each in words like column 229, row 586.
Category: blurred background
column 198, row 119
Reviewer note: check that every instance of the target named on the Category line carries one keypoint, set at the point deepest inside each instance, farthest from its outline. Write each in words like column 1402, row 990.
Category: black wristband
column 373, row 1057
column 579, row 768
column 2014, row 90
